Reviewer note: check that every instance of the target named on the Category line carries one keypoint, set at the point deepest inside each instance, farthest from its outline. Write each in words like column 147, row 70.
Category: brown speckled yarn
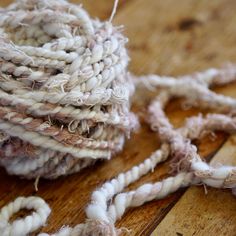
column 64, row 89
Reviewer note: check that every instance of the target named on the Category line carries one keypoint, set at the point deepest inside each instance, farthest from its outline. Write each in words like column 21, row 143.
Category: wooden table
column 172, row 38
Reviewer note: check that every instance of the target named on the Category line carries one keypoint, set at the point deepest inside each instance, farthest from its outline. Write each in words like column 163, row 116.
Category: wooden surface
column 166, row 37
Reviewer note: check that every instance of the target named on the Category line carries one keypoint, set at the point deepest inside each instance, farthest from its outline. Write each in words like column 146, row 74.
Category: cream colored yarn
column 83, row 86
column 64, row 89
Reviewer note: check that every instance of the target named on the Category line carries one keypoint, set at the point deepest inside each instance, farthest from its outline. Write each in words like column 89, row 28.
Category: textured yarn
column 64, row 89
column 65, row 102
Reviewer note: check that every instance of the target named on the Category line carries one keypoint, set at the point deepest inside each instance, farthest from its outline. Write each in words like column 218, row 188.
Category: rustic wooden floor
column 166, row 37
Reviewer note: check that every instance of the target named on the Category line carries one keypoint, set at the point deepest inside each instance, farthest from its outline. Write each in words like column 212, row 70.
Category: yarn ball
column 64, row 89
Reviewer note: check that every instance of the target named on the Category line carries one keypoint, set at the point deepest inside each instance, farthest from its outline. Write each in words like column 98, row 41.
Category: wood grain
column 166, row 37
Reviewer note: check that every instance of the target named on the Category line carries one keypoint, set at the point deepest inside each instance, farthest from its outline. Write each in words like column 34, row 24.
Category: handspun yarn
column 62, row 76
column 64, row 89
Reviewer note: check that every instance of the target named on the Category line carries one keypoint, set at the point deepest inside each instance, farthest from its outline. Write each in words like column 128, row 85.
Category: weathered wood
column 166, row 37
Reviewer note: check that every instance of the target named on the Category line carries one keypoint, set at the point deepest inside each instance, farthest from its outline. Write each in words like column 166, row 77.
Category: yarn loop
column 64, row 89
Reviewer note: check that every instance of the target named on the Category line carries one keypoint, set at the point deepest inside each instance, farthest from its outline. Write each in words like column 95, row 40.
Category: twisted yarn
column 64, row 91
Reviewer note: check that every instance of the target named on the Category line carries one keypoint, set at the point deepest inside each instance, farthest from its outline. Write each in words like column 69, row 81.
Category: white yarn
column 22, row 227
column 103, row 81
column 65, row 84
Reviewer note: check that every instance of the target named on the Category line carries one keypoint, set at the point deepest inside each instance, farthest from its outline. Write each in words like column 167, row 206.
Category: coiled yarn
column 64, row 89
column 65, row 98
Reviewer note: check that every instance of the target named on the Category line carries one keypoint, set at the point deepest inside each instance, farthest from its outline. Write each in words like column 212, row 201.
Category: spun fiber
column 64, row 89
column 65, row 102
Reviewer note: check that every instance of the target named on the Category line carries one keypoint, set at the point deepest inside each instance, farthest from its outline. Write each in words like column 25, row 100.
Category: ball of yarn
column 64, row 89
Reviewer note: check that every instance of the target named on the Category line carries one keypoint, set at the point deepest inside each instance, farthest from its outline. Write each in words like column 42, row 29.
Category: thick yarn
column 64, row 89
column 73, row 69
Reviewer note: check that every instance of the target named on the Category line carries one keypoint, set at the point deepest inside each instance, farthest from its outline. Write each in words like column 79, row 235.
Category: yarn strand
column 65, row 95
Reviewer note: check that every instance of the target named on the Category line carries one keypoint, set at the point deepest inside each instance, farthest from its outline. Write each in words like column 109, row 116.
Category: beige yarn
column 73, row 69
column 64, row 89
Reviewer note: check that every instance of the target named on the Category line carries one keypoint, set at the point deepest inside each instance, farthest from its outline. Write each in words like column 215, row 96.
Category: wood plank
column 158, row 44
column 199, row 214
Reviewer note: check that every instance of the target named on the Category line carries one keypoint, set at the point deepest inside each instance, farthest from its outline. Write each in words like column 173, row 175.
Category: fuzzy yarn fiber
column 65, row 102
column 64, row 89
